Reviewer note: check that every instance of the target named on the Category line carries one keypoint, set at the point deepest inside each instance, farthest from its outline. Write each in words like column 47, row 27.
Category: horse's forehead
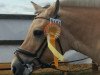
column 39, row 23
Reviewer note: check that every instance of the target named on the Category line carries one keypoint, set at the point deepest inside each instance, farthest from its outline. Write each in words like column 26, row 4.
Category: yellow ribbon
column 53, row 31
column 53, row 50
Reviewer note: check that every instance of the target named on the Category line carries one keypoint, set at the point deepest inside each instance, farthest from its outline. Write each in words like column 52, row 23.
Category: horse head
column 79, row 31
column 29, row 56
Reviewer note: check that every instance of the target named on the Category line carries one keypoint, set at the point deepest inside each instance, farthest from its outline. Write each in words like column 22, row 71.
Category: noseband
column 36, row 61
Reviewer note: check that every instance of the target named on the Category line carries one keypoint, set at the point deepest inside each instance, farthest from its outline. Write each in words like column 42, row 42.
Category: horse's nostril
column 38, row 33
column 14, row 69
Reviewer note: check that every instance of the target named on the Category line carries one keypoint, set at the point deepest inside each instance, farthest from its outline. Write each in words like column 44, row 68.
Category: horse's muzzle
column 20, row 69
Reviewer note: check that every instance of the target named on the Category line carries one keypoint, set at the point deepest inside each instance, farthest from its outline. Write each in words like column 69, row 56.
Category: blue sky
column 20, row 6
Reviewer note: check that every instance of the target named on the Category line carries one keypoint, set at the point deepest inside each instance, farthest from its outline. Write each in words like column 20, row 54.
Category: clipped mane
column 80, row 3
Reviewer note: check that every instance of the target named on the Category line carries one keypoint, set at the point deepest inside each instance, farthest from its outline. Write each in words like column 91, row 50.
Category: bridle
column 36, row 61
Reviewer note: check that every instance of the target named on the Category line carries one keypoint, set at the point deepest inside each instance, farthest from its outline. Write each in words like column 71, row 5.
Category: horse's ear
column 47, row 6
column 38, row 8
column 55, row 8
column 57, row 4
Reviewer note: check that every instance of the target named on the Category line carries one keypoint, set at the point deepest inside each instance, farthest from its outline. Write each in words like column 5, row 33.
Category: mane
column 80, row 3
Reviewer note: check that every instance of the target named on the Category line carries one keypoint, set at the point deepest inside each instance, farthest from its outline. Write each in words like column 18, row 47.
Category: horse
column 80, row 30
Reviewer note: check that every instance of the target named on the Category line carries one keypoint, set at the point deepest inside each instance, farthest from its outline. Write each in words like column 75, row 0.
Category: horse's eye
column 38, row 33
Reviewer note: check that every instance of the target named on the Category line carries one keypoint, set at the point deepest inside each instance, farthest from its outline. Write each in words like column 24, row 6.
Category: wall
column 13, row 29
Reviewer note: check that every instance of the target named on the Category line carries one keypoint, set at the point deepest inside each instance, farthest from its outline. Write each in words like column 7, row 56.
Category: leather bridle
column 36, row 61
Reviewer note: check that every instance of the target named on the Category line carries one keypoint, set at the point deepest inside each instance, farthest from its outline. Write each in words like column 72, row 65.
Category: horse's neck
column 81, row 3
column 75, row 24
